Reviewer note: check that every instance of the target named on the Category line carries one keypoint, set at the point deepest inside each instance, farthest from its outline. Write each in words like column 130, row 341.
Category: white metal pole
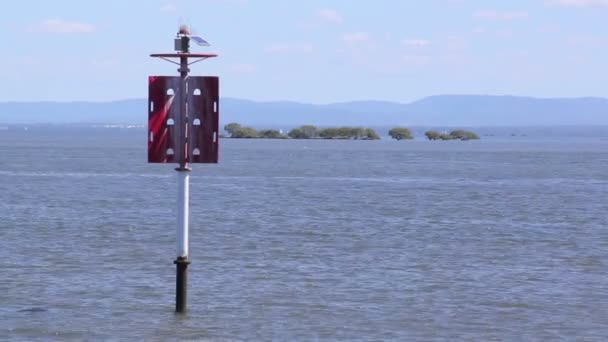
column 183, row 193
column 183, row 215
column 182, row 261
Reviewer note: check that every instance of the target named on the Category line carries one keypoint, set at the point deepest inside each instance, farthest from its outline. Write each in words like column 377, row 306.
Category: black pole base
column 181, row 284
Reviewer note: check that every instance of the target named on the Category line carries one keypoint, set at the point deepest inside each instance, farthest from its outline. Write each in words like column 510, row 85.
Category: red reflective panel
column 175, row 138
column 203, row 111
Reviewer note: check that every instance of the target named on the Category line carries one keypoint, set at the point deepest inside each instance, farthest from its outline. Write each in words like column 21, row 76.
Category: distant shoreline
column 235, row 130
column 561, row 132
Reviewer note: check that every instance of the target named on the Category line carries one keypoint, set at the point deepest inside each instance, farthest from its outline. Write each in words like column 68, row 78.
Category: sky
column 314, row 51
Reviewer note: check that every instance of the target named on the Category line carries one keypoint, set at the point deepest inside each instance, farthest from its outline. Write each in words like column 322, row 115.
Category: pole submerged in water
column 182, row 261
column 183, row 120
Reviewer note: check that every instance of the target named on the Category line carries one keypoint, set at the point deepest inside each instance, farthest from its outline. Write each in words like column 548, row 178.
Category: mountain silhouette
column 444, row 110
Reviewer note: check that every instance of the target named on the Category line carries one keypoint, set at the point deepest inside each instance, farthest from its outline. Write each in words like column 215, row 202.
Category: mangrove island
column 235, row 130
column 459, row 134
column 238, row 131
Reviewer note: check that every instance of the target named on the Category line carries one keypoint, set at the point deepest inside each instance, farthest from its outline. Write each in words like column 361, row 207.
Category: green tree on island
column 462, row 134
column 303, row 132
column 245, row 132
column 270, row 134
column 458, row 134
column 349, row 133
column 309, row 130
column 297, row 133
column 432, row 135
column 232, row 127
column 370, row 134
column 400, row 133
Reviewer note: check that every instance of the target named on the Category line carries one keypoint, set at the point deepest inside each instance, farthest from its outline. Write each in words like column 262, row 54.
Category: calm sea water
column 498, row 239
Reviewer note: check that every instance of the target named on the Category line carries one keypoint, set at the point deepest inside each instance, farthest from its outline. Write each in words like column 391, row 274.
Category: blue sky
column 316, row 51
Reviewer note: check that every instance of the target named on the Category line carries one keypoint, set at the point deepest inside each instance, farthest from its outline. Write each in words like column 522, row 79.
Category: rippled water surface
column 306, row 240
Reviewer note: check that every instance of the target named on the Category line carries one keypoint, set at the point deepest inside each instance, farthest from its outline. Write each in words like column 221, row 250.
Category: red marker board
column 173, row 138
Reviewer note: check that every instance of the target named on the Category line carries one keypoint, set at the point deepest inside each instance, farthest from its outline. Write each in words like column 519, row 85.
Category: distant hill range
column 444, row 110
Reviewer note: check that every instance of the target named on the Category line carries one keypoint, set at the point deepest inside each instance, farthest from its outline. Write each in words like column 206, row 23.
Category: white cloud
column 290, row 48
column 331, row 16
column 355, row 37
column 417, row 42
column 168, row 8
column 500, row 15
column 63, row 26
column 579, row 3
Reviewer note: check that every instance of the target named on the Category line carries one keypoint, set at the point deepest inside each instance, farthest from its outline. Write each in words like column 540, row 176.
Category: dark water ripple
column 491, row 240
